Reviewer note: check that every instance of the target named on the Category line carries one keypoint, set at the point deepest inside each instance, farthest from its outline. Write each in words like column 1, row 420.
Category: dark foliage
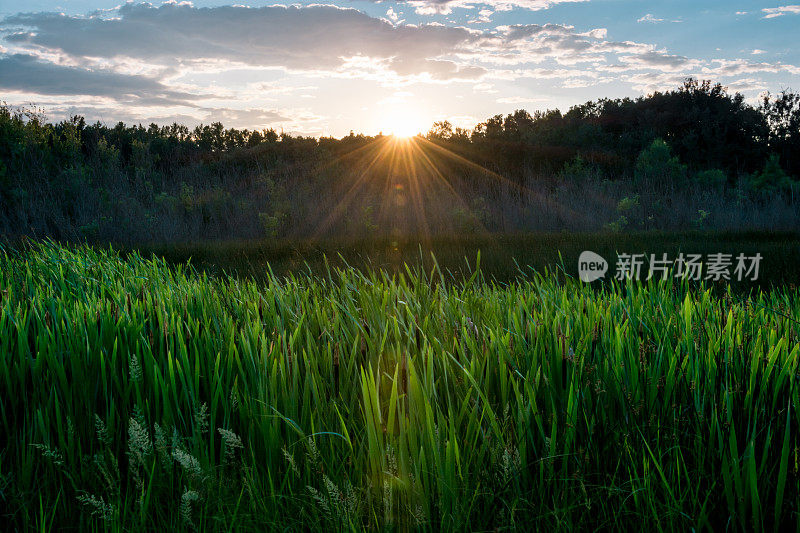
column 695, row 157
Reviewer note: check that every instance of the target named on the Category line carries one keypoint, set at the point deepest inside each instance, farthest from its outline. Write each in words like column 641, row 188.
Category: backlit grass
column 134, row 394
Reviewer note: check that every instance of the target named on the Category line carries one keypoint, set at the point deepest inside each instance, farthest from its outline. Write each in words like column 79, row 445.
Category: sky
column 377, row 66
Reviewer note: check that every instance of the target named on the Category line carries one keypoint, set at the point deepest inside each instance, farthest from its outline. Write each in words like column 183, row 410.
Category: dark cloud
column 301, row 38
column 22, row 72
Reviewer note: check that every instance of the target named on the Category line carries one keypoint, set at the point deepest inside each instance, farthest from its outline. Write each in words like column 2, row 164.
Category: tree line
column 630, row 161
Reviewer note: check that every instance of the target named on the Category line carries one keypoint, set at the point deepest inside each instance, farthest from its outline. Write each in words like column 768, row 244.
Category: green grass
column 139, row 395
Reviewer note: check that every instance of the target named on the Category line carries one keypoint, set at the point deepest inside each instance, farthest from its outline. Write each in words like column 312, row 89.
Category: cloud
column 773, row 12
column 487, row 88
column 299, row 120
column 177, row 60
column 660, row 60
column 484, row 16
column 518, row 32
column 649, row 18
column 324, row 40
column 445, row 7
column 534, row 43
column 650, row 82
column 297, row 38
column 738, row 67
column 520, row 100
column 652, row 19
column 27, row 73
column 746, row 84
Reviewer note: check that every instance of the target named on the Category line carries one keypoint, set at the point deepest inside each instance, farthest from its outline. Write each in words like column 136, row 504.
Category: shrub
column 711, row 179
column 577, row 170
column 772, row 179
column 657, row 164
column 628, row 203
column 271, row 223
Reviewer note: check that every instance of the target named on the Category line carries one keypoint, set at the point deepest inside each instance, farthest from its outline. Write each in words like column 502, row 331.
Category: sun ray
column 338, row 209
column 404, row 173
column 518, row 186
column 434, row 169
column 415, row 189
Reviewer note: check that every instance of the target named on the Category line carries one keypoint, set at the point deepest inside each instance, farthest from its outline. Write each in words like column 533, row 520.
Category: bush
column 711, row 179
column 271, row 223
column 577, row 170
column 657, row 164
column 772, row 179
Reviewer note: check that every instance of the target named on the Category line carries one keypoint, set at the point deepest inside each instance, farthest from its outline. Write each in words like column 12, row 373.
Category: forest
column 693, row 158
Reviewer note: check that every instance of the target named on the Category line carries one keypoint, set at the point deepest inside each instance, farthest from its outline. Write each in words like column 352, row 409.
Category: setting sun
column 403, row 122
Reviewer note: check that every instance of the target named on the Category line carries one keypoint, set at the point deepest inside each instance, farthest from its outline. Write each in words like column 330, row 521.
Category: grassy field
column 137, row 394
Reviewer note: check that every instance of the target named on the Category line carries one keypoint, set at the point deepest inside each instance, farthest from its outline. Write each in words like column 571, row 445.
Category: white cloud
column 487, row 88
column 738, row 67
column 650, row 82
column 746, row 85
column 177, row 60
column 445, row 7
column 520, row 100
column 773, row 12
column 649, row 17
column 484, row 16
